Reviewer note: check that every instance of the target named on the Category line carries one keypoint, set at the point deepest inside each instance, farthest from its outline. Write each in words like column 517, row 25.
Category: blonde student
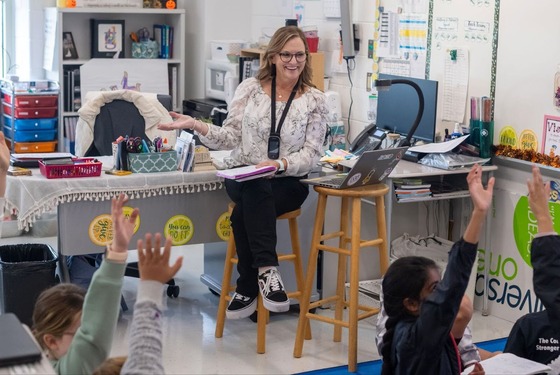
column 76, row 328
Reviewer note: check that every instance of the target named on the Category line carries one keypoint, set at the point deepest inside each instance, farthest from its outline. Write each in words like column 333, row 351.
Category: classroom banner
column 510, row 273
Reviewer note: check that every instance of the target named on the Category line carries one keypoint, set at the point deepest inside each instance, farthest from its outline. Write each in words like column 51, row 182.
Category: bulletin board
column 467, row 29
column 528, row 56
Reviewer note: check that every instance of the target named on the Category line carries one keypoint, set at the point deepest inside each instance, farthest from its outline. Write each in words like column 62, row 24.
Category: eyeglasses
column 287, row 56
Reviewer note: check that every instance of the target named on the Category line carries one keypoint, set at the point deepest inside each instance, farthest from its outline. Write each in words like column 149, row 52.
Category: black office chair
column 116, row 118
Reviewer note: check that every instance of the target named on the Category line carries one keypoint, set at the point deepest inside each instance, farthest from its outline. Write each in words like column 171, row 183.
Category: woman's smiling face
column 291, row 70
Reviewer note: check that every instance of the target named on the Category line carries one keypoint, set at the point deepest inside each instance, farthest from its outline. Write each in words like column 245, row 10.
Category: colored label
column 525, row 225
column 127, row 211
column 508, row 136
column 101, row 230
column 528, row 140
column 223, row 226
column 180, row 228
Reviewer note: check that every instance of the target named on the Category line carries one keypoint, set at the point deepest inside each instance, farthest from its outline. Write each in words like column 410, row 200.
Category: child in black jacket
column 536, row 336
column 422, row 308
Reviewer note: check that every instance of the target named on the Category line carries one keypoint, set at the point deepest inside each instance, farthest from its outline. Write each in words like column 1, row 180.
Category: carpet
column 374, row 367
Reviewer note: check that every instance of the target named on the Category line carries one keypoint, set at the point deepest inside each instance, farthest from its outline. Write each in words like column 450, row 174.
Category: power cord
column 349, row 69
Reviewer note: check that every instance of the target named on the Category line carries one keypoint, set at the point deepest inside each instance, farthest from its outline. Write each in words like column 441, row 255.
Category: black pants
column 258, row 203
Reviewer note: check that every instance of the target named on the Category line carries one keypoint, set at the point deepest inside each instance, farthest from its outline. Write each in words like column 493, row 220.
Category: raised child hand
column 481, row 197
column 123, row 228
column 539, row 193
column 153, row 263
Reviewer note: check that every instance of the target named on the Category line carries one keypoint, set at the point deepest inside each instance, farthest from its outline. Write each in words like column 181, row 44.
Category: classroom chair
column 262, row 312
column 348, row 234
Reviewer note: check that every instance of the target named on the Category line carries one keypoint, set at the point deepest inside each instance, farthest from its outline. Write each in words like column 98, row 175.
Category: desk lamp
column 385, row 84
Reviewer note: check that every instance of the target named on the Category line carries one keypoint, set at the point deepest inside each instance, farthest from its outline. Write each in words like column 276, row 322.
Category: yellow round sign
column 101, row 230
column 180, row 228
column 528, row 140
column 223, row 226
column 508, row 136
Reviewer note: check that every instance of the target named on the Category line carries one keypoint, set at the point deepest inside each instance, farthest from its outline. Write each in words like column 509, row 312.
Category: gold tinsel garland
column 528, row 155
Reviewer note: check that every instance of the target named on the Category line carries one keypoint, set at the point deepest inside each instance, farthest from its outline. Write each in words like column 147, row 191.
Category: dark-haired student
column 536, row 336
column 422, row 307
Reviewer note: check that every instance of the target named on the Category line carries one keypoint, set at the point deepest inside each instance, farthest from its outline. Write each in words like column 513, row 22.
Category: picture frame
column 107, row 38
column 69, row 51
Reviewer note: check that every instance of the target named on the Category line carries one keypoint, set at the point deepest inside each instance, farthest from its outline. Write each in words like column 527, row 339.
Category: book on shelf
column 248, row 172
column 163, row 34
column 411, row 191
column 414, row 187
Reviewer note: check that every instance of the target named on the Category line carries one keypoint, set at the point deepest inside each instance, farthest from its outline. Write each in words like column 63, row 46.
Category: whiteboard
column 528, row 54
column 471, row 27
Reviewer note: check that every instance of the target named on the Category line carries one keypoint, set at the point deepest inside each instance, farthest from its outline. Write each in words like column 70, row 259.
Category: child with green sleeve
column 76, row 328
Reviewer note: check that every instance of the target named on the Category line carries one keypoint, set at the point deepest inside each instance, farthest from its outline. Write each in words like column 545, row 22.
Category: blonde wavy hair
column 277, row 43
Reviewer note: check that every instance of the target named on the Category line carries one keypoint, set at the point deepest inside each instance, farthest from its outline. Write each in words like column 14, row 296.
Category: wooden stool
column 351, row 199
column 262, row 312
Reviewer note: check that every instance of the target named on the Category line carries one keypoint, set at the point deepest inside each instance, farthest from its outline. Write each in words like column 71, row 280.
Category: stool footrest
column 333, row 249
column 327, row 319
column 323, row 301
column 376, row 242
column 282, row 257
column 330, row 236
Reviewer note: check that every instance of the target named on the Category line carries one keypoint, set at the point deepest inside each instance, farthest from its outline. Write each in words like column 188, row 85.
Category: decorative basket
column 149, row 162
column 82, row 167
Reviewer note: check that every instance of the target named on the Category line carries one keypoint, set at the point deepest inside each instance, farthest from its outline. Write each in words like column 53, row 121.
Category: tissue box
column 145, row 50
column 149, row 162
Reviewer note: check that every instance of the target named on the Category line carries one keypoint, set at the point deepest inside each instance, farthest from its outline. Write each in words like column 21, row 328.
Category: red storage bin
column 29, row 101
column 82, row 167
column 29, row 112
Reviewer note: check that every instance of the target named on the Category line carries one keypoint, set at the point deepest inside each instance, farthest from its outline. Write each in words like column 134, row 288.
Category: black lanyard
column 273, row 130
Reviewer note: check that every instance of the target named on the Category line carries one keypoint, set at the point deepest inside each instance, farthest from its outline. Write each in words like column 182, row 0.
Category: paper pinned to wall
column 49, row 34
column 455, row 85
column 388, row 44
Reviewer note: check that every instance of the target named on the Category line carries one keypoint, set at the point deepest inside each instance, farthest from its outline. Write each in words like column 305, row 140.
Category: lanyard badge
column 274, row 146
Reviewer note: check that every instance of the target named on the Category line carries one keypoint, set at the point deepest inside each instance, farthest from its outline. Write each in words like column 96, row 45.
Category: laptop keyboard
column 337, row 181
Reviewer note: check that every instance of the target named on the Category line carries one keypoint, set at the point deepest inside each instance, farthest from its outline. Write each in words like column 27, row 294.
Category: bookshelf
column 317, row 64
column 77, row 21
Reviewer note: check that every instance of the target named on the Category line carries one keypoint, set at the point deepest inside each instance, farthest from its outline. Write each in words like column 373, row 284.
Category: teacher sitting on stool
column 279, row 119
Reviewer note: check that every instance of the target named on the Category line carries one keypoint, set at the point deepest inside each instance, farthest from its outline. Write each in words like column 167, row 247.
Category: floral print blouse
column 247, row 128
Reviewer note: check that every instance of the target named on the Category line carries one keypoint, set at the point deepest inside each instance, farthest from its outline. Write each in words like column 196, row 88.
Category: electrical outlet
column 370, row 49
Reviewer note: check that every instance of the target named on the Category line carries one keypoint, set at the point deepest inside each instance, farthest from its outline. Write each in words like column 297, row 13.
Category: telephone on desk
column 369, row 139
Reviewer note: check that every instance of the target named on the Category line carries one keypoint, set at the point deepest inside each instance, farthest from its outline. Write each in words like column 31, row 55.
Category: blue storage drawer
column 31, row 124
column 30, row 135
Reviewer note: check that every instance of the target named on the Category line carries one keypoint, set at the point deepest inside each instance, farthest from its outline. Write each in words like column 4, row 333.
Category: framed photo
column 107, row 38
column 69, row 51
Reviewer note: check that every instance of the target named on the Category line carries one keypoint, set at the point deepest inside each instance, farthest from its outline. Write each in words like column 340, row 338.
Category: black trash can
column 25, row 271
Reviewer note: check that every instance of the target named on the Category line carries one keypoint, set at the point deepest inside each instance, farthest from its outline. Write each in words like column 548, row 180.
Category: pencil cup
column 474, row 132
column 486, row 138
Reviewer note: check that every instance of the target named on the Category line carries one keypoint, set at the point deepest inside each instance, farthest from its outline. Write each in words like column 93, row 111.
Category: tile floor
column 191, row 348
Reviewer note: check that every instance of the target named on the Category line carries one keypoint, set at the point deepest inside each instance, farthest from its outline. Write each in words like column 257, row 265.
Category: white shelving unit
column 77, row 21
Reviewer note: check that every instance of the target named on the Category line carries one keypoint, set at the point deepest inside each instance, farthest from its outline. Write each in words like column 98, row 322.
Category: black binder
column 17, row 345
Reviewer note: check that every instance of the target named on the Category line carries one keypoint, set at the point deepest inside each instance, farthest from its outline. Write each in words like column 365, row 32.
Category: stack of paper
column 508, row 363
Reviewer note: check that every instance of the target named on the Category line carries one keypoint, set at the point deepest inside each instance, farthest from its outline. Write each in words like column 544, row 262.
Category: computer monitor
column 397, row 108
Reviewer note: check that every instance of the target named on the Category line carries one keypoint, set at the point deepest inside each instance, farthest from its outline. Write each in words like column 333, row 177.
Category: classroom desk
column 84, row 207
column 406, row 169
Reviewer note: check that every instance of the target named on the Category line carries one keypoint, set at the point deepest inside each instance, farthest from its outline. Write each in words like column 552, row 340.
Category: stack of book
column 202, row 160
column 408, row 190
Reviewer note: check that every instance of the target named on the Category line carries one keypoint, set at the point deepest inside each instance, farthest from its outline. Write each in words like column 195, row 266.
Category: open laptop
column 371, row 168
column 17, row 345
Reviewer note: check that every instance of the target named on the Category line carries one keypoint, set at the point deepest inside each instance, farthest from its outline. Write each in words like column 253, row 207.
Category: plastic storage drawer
column 31, row 101
column 29, row 112
column 30, row 135
column 31, row 124
column 28, row 147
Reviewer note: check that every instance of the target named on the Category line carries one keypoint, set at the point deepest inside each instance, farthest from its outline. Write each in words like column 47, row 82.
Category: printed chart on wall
column 401, row 39
column 527, row 96
column 461, row 55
